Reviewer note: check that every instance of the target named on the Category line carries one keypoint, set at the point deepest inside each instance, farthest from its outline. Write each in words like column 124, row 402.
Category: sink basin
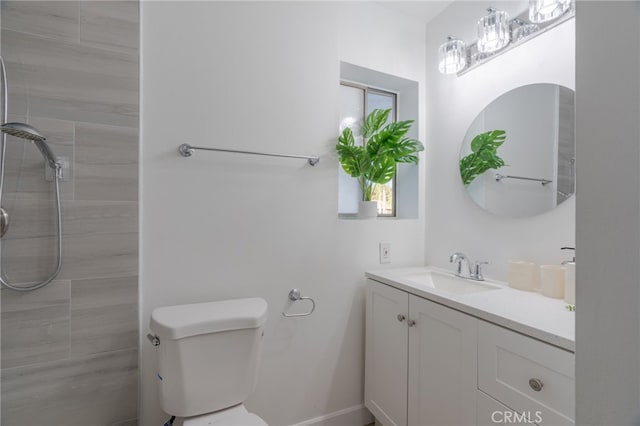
column 450, row 283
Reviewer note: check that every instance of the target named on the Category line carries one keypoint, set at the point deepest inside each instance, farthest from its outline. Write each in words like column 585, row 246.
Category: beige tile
column 17, row 100
column 104, row 315
column 30, row 218
column 35, row 325
column 104, row 292
column 55, row 294
column 100, row 255
column 56, row 79
column 29, row 259
column 109, row 24
column 106, row 163
column 104, row 329
column 94, row 390
column 52, row 19
column 30, row 53
column 58, row 132
column 100, row 217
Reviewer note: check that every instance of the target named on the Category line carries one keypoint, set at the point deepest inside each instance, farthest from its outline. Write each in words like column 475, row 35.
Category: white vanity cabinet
column 421, row 360
column 428, row 364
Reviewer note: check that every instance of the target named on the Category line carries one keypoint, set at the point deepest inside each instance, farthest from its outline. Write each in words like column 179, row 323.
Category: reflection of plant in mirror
column 484, row 155
column 375, row 162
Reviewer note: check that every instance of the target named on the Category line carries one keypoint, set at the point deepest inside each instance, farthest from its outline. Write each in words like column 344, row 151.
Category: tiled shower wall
column 70, row 350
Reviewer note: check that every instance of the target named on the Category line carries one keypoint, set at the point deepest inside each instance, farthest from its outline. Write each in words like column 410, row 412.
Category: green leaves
column 375, row 163
column 484, row 155
column 352, row 157
column 374, row 121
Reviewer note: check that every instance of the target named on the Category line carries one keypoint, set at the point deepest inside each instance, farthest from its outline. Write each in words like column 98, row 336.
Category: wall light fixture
column 497, row 34
column 452, row 56
column 547, row 10
column 493, row 31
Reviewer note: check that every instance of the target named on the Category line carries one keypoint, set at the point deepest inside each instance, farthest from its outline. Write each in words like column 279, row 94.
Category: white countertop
column 529, row 313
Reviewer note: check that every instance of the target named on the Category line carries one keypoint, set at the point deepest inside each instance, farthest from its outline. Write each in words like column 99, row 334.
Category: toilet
column 207, row 359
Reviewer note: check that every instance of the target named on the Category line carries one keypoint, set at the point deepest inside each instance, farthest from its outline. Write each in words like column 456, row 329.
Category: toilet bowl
column 207, row 359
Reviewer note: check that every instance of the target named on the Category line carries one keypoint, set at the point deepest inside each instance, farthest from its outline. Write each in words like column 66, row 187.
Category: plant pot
column 368, row 209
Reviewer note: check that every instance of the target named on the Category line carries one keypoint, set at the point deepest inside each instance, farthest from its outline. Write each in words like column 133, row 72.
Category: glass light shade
column 546, row 10
column 452, row 56
column 493, row 31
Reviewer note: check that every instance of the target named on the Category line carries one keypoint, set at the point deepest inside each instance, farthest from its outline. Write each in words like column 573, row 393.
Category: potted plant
column 374, row 162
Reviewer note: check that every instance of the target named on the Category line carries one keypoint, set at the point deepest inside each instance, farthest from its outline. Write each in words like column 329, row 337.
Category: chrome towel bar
column 186, row 150
column 294, row 295
column 544, row 182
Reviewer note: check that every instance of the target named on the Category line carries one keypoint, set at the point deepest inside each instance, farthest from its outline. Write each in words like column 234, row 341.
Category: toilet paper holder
column 294, row 295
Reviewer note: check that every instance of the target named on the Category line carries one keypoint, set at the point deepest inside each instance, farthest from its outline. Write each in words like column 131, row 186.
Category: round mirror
column 518, row 156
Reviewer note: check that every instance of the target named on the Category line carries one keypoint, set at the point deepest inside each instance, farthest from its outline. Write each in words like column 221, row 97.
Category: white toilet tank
column 208, row 355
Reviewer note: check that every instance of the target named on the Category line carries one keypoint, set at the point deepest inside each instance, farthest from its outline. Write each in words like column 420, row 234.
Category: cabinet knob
column 401, row 317
column 411, row 323
column 536, row 384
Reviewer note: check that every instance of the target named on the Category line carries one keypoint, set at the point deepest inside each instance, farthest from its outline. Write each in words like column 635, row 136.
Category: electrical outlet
column 385, row 252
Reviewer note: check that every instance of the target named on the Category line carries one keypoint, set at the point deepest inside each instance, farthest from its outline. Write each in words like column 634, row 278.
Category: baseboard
column 357, row 415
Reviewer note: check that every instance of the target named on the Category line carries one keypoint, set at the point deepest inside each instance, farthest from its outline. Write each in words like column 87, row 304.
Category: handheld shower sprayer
column 30, row 133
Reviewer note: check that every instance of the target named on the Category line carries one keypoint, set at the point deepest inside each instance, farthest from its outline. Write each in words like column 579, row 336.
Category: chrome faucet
column 458, row 258
column 475, row 268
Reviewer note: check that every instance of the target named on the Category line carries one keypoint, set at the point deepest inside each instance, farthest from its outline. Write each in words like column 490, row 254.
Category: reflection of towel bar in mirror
column 544, row 182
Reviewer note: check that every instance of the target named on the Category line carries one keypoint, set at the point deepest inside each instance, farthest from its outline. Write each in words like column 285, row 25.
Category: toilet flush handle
column 153, row 339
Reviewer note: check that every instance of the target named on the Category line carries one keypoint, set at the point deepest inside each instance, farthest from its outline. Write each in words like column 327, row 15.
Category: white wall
column 608, row 213
column 453, row 221
column 264, row 76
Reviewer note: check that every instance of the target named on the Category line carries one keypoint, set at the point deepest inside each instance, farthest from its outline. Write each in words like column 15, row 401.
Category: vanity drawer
column 526, row 375
column 490, row 412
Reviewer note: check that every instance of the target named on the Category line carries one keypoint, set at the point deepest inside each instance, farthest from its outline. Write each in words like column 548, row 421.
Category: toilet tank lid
column 176, row 322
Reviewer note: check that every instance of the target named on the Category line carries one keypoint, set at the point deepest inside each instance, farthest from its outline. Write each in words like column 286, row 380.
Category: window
column 357, row 102
column 363, row 90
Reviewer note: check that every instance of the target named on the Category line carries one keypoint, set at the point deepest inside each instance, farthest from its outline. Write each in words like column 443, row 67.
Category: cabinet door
column 385, row 386
column 442, row 365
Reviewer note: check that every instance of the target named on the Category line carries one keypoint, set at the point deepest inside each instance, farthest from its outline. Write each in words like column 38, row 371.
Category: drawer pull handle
column 536, row 384
column 411, row 323
column 401, row 317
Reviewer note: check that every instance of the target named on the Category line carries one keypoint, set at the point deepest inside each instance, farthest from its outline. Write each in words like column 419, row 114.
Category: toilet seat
column 235, row 416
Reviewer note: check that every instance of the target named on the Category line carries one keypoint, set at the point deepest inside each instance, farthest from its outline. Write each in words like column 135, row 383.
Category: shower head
column 22, row 131
column 30, row 133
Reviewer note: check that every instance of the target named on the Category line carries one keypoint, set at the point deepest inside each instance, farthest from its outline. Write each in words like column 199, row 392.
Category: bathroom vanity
column 442, row 350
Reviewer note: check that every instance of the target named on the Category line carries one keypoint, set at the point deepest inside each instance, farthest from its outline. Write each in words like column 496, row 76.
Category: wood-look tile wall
column 70, row 350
